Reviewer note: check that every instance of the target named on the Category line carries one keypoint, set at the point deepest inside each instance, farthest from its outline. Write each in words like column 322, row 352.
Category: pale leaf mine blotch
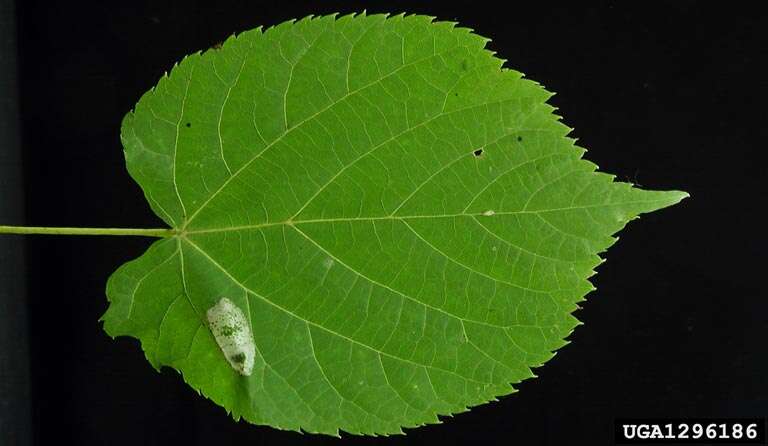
column 232, row 331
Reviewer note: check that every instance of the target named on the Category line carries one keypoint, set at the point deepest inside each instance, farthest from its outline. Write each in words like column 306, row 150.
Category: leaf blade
column 405, row 224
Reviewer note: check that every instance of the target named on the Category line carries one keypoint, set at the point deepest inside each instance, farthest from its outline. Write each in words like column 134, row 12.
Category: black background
column 669, row 96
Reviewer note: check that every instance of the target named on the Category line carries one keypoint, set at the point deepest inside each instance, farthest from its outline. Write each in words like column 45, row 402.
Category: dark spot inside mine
column 478, row 153
column 238, row 358
column 519, row 138
column 188, row 125
column 229, row 330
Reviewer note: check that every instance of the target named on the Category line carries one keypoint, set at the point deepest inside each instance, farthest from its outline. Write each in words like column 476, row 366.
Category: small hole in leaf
column 478, row 153
column 188, row 124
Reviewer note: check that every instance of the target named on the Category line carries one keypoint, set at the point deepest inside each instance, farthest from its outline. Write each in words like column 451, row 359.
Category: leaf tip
column 680, row 195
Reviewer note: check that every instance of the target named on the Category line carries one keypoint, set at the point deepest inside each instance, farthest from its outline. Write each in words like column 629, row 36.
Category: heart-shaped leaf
column 376, row 223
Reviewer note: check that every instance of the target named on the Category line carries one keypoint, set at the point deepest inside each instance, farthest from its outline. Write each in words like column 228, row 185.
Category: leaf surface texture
column 403, row 222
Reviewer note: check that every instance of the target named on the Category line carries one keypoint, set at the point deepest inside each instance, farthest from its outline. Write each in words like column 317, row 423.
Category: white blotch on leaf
column 232, row 331
column 328, row 263
column 489, row 213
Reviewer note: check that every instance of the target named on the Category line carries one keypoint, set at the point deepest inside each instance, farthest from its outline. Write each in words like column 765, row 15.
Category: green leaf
column 403, row 223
